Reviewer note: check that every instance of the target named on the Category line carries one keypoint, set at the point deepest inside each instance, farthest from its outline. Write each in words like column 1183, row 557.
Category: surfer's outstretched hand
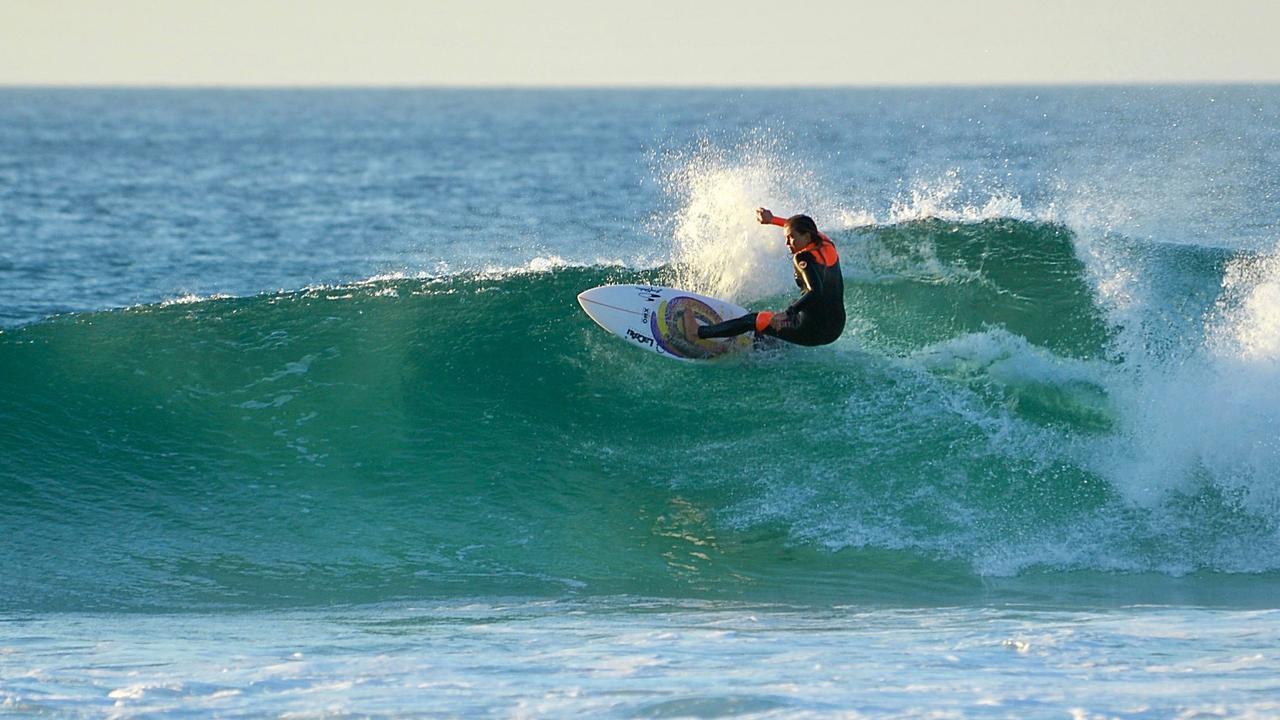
column 764, row 216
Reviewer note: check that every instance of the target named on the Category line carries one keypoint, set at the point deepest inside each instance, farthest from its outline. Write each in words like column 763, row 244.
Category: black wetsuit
column 817, row 317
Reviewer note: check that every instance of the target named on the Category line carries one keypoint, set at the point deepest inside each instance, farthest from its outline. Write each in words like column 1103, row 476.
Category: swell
column 477, row 434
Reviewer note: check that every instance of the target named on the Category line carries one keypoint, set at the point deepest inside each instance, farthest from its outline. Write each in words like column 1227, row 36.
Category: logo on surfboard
column 649, row 294
column 667, row 324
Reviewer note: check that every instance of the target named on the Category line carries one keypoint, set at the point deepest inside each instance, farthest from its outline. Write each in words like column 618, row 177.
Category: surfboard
column 653, row 318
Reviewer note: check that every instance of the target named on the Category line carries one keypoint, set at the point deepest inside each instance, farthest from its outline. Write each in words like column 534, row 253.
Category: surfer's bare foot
column 690, row 326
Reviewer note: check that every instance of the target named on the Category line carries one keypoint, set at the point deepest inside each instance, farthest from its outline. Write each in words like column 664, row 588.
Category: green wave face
column 478, row 434
column 933, row 280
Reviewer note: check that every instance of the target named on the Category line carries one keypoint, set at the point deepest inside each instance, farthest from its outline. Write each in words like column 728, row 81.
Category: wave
column 476, row 433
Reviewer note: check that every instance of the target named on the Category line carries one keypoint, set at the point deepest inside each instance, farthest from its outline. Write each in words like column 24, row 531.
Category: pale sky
column 641, row 42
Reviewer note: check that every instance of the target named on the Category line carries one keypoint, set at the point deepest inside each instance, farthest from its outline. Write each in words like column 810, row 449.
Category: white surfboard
column 654, row 318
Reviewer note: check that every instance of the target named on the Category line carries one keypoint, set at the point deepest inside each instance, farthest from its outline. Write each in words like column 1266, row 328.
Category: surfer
column 817, row 317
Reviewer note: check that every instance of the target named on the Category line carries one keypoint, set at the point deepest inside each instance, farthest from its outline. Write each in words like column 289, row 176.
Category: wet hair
column 804, row 225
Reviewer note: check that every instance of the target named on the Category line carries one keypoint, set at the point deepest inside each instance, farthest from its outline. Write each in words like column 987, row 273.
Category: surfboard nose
column 597, row 299
column 584, row 301
column 594, row 302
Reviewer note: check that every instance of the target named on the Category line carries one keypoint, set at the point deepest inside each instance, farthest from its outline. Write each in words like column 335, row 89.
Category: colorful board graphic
column 656, row 319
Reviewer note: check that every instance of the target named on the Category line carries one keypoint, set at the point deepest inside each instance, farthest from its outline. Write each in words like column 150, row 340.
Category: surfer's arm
column 768, row 218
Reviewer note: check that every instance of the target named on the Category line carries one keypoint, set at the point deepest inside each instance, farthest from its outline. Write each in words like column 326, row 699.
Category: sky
column 636, row 43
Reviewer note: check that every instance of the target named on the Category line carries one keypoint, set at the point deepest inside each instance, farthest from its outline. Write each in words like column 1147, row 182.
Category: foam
column 1007, row 358
column 190, row 299
column 1213, row 417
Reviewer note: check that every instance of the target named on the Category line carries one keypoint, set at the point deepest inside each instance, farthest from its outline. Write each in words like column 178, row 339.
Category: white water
column 629, row 658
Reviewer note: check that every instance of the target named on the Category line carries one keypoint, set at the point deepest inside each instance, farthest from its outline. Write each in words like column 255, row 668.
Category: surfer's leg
column 729, row 328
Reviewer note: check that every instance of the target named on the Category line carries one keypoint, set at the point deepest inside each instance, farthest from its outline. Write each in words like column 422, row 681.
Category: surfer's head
column 801, row 232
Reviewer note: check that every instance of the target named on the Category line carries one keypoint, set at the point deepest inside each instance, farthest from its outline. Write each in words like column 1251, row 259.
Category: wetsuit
column 817, row 318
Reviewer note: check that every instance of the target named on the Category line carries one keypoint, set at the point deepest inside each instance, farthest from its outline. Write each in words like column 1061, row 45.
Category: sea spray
column 1209, row 421
column 718, row 247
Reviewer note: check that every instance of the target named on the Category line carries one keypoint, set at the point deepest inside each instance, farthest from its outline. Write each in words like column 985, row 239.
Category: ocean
column 299, row 415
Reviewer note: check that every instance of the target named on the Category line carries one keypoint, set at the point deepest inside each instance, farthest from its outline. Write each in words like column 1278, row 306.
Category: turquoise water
column 299, row 414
